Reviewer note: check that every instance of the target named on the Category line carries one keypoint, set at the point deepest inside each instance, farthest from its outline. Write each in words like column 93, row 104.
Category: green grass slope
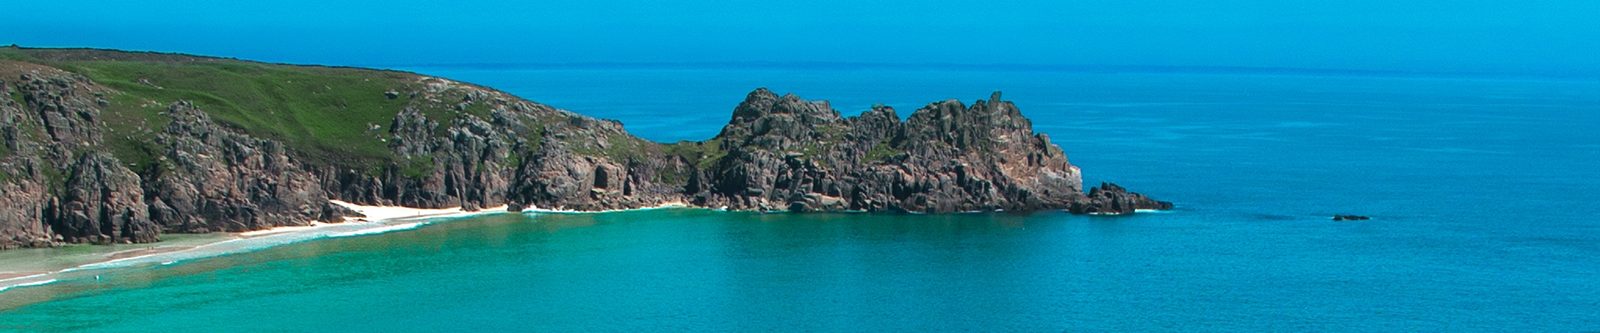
column 326, row 113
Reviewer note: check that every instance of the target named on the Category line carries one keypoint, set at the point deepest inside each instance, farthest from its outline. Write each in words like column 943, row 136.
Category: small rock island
column 107, row 146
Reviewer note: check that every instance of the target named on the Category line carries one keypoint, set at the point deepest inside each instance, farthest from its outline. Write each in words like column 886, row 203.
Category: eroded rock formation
column 784, row 153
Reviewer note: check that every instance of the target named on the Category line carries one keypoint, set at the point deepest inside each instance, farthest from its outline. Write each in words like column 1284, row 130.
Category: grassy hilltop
column 326, row 113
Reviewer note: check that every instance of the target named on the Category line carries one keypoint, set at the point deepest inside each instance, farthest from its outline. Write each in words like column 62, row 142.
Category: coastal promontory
column 120, row 147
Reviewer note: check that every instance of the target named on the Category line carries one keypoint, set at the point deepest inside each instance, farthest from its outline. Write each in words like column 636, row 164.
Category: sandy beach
column 670, row 204
column 13, row 275
column 373, row 214
column 377, row 219
column 145, row 252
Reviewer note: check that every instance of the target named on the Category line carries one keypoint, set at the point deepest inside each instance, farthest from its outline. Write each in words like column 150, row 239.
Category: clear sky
column 1498, row 36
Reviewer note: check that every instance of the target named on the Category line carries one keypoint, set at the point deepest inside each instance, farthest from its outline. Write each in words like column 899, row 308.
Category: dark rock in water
column 1111, row 199
column 1350, row 218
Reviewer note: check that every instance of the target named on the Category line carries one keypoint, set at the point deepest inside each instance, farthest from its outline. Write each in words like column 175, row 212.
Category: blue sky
column 1498, row 36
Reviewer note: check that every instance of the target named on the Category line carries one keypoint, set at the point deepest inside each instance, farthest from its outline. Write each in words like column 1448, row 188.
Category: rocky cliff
column 105, row 146
column 785, row 153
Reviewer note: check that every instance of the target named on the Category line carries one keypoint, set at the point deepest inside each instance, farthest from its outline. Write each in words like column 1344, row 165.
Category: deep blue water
column 1482, row 192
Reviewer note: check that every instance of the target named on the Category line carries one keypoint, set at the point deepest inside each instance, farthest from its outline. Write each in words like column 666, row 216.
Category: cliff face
column 103, row 146
column 63, row 183
column 212, row 179
column 57, row 185
column 784, row 153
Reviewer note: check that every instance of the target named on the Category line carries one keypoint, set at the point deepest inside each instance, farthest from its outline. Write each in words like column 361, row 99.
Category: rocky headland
column 119, row 147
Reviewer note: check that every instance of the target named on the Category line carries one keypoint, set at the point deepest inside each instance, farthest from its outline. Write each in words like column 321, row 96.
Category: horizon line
column 860, row 65
column 1069, row 68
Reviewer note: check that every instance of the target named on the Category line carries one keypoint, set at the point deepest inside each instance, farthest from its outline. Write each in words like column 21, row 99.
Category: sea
column 1484, row 194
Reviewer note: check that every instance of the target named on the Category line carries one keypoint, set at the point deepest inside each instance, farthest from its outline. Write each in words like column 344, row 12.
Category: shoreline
column 379, row 219
column 374, row 214
column 664, row 205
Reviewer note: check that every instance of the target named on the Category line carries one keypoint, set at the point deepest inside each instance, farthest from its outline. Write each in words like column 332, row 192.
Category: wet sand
column 144, row 252
column 12, row 275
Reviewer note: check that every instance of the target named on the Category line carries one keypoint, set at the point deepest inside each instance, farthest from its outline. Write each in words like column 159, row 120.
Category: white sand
column 382, row 213
column 379, row 219
column 669, row 204
column 375, row 214
column 279, row 230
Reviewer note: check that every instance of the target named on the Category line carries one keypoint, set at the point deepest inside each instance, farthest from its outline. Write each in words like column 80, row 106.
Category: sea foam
column 27, row 284
column 378, row 230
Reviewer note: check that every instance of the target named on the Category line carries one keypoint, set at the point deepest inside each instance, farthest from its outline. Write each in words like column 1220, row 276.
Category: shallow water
column 1481, row 192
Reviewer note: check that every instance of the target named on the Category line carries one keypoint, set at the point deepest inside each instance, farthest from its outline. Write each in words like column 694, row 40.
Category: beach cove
column 1477, row 189
column 35, row 267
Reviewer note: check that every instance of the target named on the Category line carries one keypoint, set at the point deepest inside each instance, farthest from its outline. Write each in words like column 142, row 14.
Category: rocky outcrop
column 516, row 153
column 22, row 198
column 81, row 163
column 57, row 185
column 62, row 184
column 776, row 153
column 785, row 153
column 1110, row 199
column 101, row 203
column 588, row 164
column 22, row 219
column 212, row 179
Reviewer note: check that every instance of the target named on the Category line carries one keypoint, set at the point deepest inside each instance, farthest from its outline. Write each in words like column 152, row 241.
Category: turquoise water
column 1482, row 193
